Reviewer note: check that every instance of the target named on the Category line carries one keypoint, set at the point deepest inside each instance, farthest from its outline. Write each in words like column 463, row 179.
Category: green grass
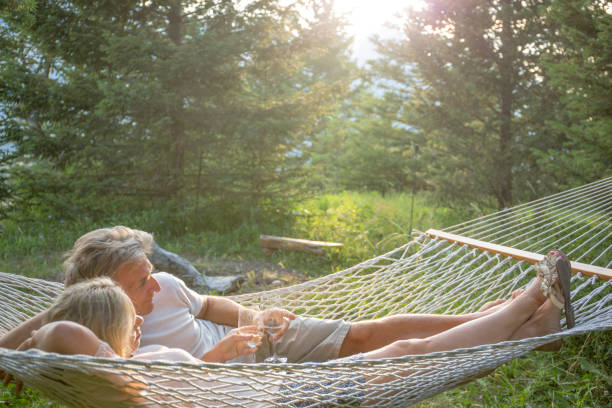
column 368, row 225
column 28, row 398
column 577, row 376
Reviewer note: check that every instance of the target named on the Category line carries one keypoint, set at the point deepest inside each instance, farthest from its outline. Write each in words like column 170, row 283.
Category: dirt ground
column 257, row 275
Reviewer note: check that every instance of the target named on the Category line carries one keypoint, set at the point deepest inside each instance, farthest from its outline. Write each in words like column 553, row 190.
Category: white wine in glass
column 249, row 317
column 272, row 325
column 256, row 339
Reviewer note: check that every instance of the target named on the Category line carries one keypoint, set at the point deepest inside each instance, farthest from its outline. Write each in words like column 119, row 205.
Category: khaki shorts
column 308, row 340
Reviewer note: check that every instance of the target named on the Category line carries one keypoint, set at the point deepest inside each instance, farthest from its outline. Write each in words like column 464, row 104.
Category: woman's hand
column 234, row 344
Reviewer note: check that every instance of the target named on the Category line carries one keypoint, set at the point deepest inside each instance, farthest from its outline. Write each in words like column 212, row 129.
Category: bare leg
column 374, row 334
column 499, row 303
column 501, row 325
column 489, row 329
column 546, row 320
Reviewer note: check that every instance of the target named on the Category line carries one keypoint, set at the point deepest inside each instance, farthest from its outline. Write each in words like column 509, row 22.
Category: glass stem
column 273, row 347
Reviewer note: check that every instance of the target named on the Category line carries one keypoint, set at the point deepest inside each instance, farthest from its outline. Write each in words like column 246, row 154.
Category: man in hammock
column 175, row 316
column 95, row 317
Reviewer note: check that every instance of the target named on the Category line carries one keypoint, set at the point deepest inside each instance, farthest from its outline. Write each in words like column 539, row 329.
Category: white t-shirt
column 173, row 322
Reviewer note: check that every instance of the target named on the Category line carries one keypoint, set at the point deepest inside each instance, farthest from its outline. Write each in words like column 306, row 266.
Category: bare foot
column 534, row 291
column 546, row 320
column 490, row 305
column 531, row 297
column 499, row 303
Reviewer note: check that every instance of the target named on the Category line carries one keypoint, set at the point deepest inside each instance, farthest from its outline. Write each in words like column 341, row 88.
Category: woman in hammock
column 97, row 318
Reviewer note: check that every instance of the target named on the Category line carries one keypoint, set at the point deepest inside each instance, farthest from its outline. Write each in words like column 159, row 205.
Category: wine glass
column 250, row 317
column 272, row 321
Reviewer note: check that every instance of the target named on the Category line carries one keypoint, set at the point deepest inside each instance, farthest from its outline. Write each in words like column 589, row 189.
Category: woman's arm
column 63, row 337
column 19, row 334
column 234, row 345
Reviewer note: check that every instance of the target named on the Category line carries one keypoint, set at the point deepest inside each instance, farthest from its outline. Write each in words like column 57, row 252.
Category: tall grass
column 579, row 375
column 368, row 224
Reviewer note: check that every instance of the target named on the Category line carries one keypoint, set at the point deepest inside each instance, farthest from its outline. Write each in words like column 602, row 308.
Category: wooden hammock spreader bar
column 531, row 257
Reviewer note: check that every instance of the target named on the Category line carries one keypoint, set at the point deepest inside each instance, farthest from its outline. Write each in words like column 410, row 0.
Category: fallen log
column 271, row 243
column 181, row 268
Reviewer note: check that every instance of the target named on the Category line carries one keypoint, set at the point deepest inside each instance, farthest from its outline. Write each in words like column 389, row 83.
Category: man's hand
column 15, row 340
column 6, row 377
column 234, row 344
column 276, row 313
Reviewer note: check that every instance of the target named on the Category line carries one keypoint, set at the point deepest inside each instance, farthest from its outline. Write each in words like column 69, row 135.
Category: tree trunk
column 172, row 263
column 508, row 51
column 177, row 129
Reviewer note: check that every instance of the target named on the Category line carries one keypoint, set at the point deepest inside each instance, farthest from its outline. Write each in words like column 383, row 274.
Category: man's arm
column 219, row 310
column 19, row 334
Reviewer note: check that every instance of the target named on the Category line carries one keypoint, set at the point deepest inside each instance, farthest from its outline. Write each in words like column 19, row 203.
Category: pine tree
column 580, row 71
column 472, row 72
column 166, row 102
column 365, row 147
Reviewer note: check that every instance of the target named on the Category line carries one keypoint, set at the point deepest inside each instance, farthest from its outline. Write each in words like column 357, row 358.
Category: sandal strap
column 551, row 293
column 548, row 271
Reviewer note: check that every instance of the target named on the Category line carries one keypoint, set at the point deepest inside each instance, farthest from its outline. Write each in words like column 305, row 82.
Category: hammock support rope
column 430, row 274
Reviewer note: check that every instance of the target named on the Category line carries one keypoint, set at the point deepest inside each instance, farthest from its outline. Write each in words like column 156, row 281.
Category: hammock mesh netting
column 427, row 275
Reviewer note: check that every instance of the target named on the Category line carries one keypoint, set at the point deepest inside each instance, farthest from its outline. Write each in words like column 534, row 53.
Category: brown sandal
column 556, row 267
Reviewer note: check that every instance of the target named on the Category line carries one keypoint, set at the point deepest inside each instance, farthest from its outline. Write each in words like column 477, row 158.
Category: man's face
column 136, row 280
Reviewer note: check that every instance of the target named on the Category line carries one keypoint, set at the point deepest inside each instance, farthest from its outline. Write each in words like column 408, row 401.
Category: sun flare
column 367, row 17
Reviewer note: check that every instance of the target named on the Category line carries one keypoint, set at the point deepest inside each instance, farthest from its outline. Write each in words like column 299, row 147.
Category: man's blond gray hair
column 101, row 252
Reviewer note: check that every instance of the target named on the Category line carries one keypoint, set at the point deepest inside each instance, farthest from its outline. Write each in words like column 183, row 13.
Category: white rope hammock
column 427, row 275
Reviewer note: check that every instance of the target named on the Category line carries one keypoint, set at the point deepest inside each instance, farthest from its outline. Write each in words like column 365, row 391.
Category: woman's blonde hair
column 101, row 252
column 100, row 305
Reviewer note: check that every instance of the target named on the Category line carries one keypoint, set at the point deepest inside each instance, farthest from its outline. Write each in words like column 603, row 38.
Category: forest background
column 211, row 122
